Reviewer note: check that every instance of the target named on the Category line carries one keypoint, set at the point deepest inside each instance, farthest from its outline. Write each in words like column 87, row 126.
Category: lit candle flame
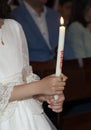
column 61, row 21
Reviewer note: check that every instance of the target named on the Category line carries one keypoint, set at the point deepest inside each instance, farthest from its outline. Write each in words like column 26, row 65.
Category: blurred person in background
column 65, row 9
column 78, row 35
column 41, row 27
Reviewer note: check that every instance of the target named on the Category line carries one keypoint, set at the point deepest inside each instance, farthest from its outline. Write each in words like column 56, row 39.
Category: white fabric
column 14, row 70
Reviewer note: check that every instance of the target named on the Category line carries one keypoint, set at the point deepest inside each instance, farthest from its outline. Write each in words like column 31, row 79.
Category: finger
column 61, row 98
column 63, row 77
column 51, row 99
column 56, row 103
column 56, row 108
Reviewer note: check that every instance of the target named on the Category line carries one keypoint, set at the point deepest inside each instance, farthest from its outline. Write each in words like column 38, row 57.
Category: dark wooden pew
column 79, row 79
column 77, row 122
column 78, row 91
column 44, row 68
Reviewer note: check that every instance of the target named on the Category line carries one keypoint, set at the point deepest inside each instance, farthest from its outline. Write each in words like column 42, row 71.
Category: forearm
column 50, row 85
column 25, row 91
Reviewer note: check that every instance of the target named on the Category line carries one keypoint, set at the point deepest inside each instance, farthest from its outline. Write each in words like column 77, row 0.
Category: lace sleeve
column 5, row 93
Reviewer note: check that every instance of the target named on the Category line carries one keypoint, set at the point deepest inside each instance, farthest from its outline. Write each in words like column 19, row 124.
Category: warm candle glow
column 61, row 21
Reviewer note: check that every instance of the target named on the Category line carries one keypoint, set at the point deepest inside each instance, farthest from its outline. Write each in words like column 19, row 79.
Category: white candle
column 60, row 50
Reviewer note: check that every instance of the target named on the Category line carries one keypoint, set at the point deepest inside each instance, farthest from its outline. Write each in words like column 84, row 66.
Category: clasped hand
column 53, row 85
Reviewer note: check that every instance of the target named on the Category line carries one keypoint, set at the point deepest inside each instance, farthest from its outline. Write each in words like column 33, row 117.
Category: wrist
column 34, row 88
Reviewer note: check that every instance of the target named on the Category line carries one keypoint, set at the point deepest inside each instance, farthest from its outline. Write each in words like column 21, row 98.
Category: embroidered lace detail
column 6, row 87
column 5, row 93
column 6, row 109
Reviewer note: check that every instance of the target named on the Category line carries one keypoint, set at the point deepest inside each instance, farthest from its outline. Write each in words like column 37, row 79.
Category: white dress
column 15, row 70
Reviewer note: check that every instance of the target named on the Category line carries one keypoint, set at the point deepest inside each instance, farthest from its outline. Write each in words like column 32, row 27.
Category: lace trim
column 6, row 88
column 5, row 93
column 6, row 110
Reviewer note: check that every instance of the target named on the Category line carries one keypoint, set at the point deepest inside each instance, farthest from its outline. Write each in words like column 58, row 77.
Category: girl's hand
column 52, row 85
column 56, row 105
